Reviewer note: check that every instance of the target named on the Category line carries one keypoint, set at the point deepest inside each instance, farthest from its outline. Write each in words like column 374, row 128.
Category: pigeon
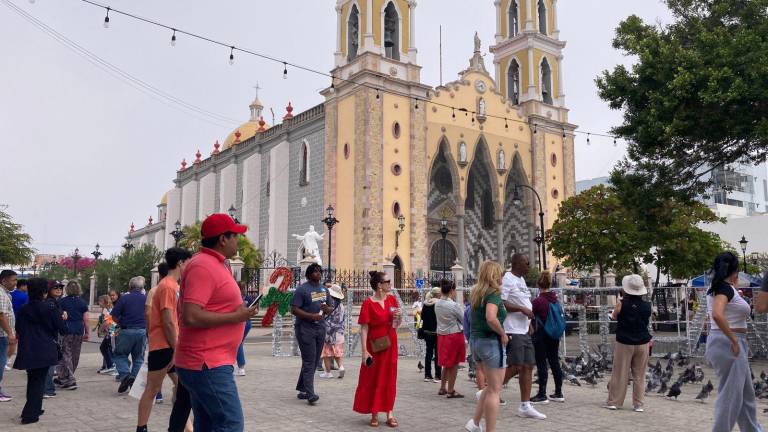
column 663, row 388
column 589, row 379
column 575, row 381
column 763, row 375
column 706, row 389
column 420, row 366
column 674, row 392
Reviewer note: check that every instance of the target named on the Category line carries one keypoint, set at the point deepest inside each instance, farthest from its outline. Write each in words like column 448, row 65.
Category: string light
column 453, row 113
column 231, row 55
column 333, row 87
column 587, row 138
column 506, row 125
column 173, row 38
column 106, row 18
column 535, row 129
column 473, row 118
column 563, row 133
column 377, row 94
column 285, row 70
column 417, row 103
column 614, row 142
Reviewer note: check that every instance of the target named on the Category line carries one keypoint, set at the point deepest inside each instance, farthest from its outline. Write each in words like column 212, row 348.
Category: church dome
column 242, row 133
column 164, row 199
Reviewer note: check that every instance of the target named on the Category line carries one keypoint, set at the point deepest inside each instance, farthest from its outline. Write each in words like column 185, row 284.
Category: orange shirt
column 166, row 295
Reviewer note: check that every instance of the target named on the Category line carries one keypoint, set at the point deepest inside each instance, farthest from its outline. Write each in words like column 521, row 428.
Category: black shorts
column 160, row 359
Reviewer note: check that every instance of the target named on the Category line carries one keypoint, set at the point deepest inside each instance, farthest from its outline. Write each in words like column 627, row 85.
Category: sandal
column 454, row 395
column 442, row 392
column 392, row 422
column 374, row 422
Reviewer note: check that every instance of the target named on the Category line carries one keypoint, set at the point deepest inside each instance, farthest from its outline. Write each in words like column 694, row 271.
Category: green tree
column 138, row 262
column 593, row 229
column 696, row 98
column 15, row 246
column 250, row 255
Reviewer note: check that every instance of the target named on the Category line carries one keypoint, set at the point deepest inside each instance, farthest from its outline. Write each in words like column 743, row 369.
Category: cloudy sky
column 86, row 150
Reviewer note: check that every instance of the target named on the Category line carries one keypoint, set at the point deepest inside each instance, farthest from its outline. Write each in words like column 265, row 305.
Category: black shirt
column 429, row 319
column 632, row 326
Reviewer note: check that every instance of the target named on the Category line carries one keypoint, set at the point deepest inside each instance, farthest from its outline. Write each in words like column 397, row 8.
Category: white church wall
column 173, row 213
column 159, row 240
column 207, row 195
column 278, row 198
column 252, row 196
column 189, row 203
column 227, row 184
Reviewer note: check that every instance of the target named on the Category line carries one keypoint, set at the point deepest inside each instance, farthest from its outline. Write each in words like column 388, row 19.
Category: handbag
column 380, row 344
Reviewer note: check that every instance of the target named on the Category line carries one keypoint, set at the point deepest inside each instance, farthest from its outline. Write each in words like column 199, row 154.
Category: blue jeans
column 50, row 389
column 214, row 397
column 133, row 342
column 3, row 358
column 241, row 349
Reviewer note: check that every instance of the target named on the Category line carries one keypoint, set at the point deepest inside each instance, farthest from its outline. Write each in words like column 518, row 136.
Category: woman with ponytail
column 727, row 348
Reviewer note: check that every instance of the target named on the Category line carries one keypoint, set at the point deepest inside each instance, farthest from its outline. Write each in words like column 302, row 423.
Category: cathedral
column 419, row 176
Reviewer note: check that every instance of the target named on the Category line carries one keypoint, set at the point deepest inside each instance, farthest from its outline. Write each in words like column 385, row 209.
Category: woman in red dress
column 377, row 386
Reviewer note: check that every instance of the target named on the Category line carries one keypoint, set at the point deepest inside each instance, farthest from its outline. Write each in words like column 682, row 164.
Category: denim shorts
column 488, row 351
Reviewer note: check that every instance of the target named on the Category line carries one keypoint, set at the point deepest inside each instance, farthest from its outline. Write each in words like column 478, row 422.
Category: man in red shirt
column 211, row 324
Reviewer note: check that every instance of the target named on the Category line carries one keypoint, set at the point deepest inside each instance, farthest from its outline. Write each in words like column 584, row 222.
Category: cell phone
column 256, row 300
column 369, row 361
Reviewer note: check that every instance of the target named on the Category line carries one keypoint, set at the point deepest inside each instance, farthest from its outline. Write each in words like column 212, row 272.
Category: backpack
column 555, row 325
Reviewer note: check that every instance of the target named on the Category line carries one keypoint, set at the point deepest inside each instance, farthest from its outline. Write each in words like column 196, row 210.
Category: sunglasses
column 386, row 281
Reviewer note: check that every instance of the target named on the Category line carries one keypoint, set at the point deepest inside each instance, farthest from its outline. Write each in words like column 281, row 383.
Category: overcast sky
column 85, row 153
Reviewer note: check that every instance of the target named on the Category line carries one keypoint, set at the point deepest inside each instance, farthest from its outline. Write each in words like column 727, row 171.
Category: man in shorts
column 517, row 325
column 163, row 330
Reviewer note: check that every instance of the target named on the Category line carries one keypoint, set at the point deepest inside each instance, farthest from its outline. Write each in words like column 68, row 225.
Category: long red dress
column 377, row 386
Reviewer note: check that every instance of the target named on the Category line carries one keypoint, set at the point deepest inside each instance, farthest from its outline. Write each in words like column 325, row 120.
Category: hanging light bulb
column 535, row 128
column 32, row 1
column 106, row 19
column 614, row 142
column 453, row 113
column 417, row 104
column 563, row 133
column 231, row 55
column 473, row 117
column 173, row 38
column 333, row 87
column 377, row 94
column 587, row 138
column 285, row 70
column 506, row 125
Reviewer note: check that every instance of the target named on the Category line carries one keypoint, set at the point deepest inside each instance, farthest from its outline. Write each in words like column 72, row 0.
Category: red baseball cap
column 220, row 223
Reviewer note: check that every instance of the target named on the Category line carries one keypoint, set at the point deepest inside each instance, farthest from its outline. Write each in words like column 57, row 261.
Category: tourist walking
column 55, row 292
column 72, row 340
column 7, row 323
column 520, row 353
column 429, row 334
column 452, row 351
column 104, row 329
column 38, row 325
column 131, row 337
column 546, row 345
column 380, row 315
column 162, row 272
column 333, row 348
column 163, row 330
column 488, row 341
column 309, row 303
column 211, row 325
column 17, row 289
column 473, row 369
column 19, row 298
column 727, row 349
column 630, row 353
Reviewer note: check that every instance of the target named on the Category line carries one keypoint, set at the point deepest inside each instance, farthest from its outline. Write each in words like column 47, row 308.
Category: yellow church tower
column 375, row 143
column 528, row 59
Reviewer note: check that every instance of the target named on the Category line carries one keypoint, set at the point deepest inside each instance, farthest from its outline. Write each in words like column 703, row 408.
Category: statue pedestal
column 304, row 263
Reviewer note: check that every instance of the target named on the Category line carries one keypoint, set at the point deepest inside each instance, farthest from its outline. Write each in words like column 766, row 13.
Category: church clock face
column 480, row 86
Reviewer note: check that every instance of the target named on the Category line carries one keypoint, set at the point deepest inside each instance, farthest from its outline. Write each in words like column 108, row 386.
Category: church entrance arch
column 398, row 282
column 518, row 218
column 442, row 256
column 443, row 199
column 479, row 210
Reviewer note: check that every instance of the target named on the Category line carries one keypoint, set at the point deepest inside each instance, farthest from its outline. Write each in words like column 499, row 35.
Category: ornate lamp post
column 401, row 228
column 128, row 246
column 96, row 254
column 329, row 221
column 75, row 258
column 444, row 233
column 177, row 234
column 539, row 243
column 233, row 213
column 743, row 242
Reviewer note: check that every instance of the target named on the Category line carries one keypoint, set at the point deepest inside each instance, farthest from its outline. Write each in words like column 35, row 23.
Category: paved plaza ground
column 270, row 403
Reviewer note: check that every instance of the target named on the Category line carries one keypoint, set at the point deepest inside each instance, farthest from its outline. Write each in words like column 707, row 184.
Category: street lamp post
column 444, row 233
column 232, row 213
column 542, row 244
column 401, row 228
column 96, row 254
column 329, row 221
column 128, row 246
column 75, row 258
column 743, row 242
column 177, row 234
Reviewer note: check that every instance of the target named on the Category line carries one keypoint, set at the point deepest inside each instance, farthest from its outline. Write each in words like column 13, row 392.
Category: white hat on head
column 634, row 285
column 336, row 292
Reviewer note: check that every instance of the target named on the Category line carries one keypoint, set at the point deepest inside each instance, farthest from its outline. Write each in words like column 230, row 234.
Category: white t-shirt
column 515, row 291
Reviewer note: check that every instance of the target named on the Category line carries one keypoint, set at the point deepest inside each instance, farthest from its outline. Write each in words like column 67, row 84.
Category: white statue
column 462, row 152
column 502, row 160
column 481, row 108
column 309, row 241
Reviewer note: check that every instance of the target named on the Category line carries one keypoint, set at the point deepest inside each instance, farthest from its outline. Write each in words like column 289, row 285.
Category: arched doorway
column 442, row 256
column 398, row 282
column 479, row 211
column 518, row 222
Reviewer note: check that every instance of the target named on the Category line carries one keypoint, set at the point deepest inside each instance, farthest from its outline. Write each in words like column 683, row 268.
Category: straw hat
column 633, row 284
column 336, row 292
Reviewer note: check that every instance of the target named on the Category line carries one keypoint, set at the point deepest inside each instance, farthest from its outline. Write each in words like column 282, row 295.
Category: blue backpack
column 555, row 325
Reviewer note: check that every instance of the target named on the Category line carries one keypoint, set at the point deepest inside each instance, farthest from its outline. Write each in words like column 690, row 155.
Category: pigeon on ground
column 706, row 389
column 590, row 379
column 674, row 392
column 420, row 366
column 663, row 389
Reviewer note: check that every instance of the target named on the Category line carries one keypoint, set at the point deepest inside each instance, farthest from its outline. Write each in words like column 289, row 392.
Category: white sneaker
column 472, row 427
column 240, row 372
column 529, row 411
column 478, row 394
column 341, row 372
column 326, row 375
column 610, row 407
column 638, row 408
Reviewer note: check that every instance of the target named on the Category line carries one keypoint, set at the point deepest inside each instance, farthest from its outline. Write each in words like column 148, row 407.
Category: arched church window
column 353, row 33
column 487, row 210
column 462, row 152
column 546, row 82
column 513, row 82
column 391, row 32
column 304, row 171
column 542, row 17
column 514, row 20
column 442, row 255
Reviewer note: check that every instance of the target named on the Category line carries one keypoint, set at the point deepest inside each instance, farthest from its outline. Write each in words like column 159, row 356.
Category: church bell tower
column 375, row 137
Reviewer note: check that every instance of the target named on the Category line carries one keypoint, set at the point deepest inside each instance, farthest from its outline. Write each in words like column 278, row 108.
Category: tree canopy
column 15, row 248
column 250, row 255
column 697, row 96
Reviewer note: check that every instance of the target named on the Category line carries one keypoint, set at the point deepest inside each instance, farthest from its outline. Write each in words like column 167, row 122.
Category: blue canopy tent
column 745, row 280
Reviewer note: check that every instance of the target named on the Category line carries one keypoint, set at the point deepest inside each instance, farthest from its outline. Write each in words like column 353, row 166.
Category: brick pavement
column 270, row 404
